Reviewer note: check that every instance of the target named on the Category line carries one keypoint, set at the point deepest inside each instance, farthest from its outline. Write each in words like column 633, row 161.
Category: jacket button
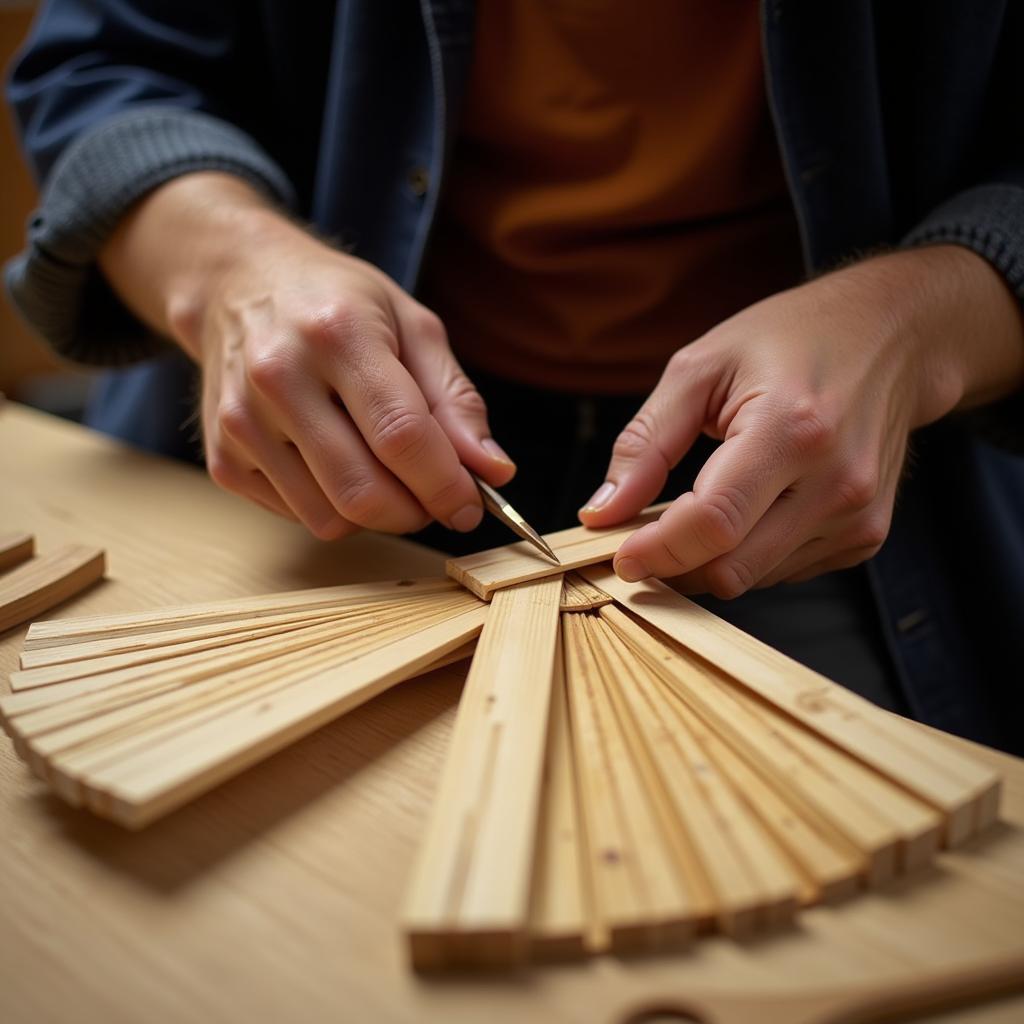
column 419, row 181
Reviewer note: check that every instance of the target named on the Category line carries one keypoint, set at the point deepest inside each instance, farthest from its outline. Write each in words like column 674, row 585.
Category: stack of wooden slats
column 626, row 769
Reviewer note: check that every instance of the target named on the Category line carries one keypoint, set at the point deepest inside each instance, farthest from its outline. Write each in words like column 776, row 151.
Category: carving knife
column 502, row 510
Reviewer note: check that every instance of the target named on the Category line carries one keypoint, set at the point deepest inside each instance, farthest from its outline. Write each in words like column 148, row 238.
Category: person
column 763, row 259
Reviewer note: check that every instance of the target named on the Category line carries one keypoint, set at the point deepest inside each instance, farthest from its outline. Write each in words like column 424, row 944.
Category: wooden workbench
column 275, row 897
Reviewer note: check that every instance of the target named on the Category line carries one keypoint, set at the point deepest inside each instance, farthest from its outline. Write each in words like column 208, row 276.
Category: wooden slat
column 15, row 548
column 168, row 774
column 488, row 571
column 752, row 883
column 641, row 900
column 965, row 790
column 822, row 797
column 469, row 898
column 84, row 650
column 579, row 595
column 144, row 659
column 43, row 582
column 94, row 627
column 561, row 906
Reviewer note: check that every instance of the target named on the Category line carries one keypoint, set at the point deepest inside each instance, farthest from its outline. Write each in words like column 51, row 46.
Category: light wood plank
column 962, row 788
column 171, row 773
column 153, row 658
column 488, row 571
column 469, row 898
column 61, row 631
column 751, row 882
column 641, row 900
column 822, row 797
column 561, row 906
column 15, row 548
column 39, row 584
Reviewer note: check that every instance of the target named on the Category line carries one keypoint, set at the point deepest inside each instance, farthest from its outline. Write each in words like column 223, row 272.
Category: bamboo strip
column 820, row 795
column 640, row 899
column 488, row 571
column 61, row 631
column 829, row 864
column 43, row 582
column 47, row 708
column 85, row 650
column 168, row 774
column 578, row 595
column 752, row 884
column 561, row 907
column 15, row 548
column 64, row 671
column 469, row 899
column 80, row 750
column 964, row 789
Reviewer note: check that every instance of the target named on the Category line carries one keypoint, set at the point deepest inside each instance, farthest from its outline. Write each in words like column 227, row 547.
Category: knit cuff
column 989, row 220
column 55, row 283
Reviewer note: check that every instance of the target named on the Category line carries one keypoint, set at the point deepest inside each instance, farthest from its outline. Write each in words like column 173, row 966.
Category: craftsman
column 792, row 227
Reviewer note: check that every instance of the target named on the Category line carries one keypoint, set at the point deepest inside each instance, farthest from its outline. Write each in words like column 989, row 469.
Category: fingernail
column 467, row 518
column 494, row 449
column 631, row 570
column 600, row 498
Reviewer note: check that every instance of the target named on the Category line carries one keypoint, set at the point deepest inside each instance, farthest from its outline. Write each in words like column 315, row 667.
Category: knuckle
column 809, row 427
column 719, row 519
column 634, row 439
column 429, row 327
column 871, row 532
column 730, row 579
column 222, row 470
column 235, row 421
column 681, row 363
column 466, row 398
column 400, row 435
column 857, row 487
column 357, row 499
column 270, row 373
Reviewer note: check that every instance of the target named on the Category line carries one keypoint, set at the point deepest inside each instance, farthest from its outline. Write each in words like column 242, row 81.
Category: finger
column 737, row 485
column 264, row 494
column 391, row 413
column 652, row 443
column 453, row 400
column 283, row 467
column 845, row 560
column 302, row 405
column 355, row 482
column 785, row 528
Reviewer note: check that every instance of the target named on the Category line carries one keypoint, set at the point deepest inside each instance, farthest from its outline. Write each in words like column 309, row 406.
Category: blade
column 500, row 508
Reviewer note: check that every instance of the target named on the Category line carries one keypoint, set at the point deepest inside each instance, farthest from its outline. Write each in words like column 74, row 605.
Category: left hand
column 813, row 393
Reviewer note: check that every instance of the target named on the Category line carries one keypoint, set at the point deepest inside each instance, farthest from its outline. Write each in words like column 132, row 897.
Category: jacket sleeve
column 113, row 98
column 987, row 216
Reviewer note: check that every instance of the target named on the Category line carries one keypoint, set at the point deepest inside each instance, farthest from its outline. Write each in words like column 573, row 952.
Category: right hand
column 331, row 396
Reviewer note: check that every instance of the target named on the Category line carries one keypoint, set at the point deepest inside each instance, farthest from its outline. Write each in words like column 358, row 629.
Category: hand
column 329, row 395
column 813, row 393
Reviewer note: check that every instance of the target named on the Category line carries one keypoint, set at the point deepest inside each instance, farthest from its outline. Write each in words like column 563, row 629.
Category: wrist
column 951, row 323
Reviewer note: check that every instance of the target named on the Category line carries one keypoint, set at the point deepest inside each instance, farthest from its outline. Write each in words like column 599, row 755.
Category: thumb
column 453, row 400
column 652, row 443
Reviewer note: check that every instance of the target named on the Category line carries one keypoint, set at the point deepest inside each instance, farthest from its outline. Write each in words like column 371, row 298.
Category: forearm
column 958, row 313
column 168, row 249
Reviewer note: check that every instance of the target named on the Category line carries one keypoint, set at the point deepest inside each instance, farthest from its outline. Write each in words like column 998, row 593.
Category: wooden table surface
column 275, row 897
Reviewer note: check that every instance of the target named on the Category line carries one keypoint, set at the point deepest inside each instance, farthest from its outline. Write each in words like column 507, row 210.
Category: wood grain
column 469, row 898
column 963, row 789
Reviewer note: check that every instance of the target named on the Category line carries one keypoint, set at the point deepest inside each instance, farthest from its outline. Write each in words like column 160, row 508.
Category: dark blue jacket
column 899, row 124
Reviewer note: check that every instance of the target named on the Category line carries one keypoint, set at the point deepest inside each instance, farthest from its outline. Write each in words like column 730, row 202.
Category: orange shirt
column 615, row 189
